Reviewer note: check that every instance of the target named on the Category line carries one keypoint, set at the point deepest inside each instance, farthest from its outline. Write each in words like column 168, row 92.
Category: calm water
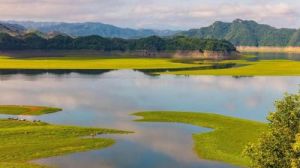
column 106, row 100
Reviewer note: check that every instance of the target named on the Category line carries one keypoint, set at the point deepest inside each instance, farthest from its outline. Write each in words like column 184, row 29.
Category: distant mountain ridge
column 239, row 32
column 247, row 33
column 12, row 29
column 92, row 28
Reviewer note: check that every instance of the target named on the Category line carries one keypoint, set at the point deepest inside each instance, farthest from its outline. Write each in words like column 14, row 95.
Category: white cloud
column 154, row 14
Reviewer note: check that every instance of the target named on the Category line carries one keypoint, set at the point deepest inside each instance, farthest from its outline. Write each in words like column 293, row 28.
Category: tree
column 296, row 148
column 60, row 42
column 279, row 147
column 94, row 42
column 33, row 41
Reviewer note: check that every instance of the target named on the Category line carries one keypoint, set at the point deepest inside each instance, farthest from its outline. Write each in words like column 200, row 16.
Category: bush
column 279, row 147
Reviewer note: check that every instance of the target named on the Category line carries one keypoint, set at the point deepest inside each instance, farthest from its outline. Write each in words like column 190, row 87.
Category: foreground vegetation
column 227, row 140
column 27, row 110
column 279, row 146
column 23, row 141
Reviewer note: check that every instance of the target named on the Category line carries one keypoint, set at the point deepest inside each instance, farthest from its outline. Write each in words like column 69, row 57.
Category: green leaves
column 296, row 148
column 279, row 147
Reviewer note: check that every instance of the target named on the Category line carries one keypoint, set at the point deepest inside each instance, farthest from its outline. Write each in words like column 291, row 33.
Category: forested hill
column 11, row 29
column 247, row 33
column 153, row 43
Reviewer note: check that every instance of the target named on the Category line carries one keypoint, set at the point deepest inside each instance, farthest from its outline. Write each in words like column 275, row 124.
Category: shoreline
column 37, row 139
column 190, row 54
column 220, row 144
column 268, row 49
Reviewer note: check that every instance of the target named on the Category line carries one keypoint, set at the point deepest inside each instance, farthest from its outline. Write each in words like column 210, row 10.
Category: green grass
column 179, row 67
column 227, row 140
column 23, row 141
column 259, row 68
column 89, row 63
column 27, row 110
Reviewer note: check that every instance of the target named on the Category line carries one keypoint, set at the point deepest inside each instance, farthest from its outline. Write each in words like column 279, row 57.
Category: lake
column 106, row 99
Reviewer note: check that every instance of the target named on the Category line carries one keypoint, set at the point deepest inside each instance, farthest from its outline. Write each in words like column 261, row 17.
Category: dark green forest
column 153, row 43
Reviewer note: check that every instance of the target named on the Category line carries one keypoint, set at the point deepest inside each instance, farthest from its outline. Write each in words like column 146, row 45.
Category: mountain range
column 12, row 29
column 247, row 33
column 91, row 28
column 239, row 32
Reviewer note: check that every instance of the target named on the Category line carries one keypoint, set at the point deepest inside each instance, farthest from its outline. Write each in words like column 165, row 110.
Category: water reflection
column 153, row 145
column 34, row 72
column 107, row 99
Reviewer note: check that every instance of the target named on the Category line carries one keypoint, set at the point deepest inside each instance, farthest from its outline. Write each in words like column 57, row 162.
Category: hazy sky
column 160, row 14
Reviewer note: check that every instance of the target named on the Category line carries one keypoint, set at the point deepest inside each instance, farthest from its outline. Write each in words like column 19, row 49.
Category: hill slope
column 12, row 29
column 247, row 33
column 31, row 41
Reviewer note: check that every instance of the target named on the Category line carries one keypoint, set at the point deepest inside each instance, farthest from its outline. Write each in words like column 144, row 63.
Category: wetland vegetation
column 250, row 68
column 27, row 110
column 243, row 67
column 22, row 141
column 100, row 73
column 225, row 142
column 243, row 142
column 89, row 63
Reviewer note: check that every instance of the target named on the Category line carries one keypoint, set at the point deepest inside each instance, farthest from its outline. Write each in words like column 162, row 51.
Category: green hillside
column 247, row 33
column 33, row 41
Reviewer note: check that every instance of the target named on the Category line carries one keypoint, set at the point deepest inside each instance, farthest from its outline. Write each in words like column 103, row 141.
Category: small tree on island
column 279, row 146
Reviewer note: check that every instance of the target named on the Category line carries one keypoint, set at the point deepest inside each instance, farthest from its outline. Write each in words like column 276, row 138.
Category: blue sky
column 158, row 14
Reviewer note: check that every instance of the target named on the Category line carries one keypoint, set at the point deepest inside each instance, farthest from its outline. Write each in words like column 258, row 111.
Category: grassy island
column 83, row 62
column 27, row 110
column 160, row 65
column 23, row 141
column 249, row 68
column 227, row 140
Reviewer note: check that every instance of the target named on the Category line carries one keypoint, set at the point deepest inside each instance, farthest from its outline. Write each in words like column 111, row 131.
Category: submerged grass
column 27, row 110
column 23, row 141
column 225, row 143
column 160, row 65
column 248, row 68
column 89, row 63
